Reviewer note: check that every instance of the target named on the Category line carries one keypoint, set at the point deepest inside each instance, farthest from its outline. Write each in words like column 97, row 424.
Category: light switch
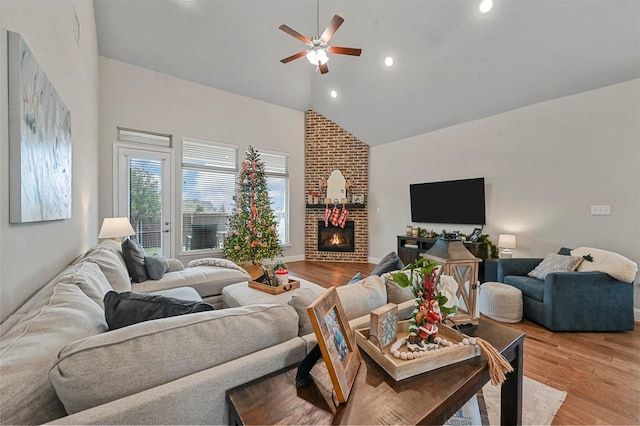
column 601, row 210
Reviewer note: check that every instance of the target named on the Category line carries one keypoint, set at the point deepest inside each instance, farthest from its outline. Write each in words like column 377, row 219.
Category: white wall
column 544, row 166
column 30, row 254
column 138, row 98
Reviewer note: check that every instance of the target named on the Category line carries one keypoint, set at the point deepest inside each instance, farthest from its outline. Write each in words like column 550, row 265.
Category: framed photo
column 383, row 328
column 475, row 235
column 336, row 340
column 358, row 198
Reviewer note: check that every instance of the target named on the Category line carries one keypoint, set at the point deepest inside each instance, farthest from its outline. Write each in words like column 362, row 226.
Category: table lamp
column 506, row 242
column 116, row 228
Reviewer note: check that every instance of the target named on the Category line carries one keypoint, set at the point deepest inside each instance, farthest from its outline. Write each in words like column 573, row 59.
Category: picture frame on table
column 475, row 235
column 358, row 198
column 336, row 341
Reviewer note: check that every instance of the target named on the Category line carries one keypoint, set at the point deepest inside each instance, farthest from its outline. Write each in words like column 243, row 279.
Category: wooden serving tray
column 275, row 290
column 401, row 369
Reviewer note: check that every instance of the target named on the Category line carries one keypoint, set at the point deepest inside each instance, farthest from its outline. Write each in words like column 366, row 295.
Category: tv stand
column 410, row 249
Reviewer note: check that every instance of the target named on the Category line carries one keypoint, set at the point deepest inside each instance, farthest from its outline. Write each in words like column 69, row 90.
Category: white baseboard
column 636, row 314
column 374, row 260
column 293, row 258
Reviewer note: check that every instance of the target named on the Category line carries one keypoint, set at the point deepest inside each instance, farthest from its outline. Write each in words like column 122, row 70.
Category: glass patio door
column 144, row 196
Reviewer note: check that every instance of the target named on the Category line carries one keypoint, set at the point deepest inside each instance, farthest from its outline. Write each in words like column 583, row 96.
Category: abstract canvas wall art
column 40, row 184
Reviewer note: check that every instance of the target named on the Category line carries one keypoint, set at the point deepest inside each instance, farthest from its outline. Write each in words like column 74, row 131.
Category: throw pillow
column 300, row 300
column 565, row 251
column 357, row 277
column 156, row 266
column 555, row 263
column 123, row 309
column 395, row 293
column 175, row 265
column 391, row 262
column 133, row 255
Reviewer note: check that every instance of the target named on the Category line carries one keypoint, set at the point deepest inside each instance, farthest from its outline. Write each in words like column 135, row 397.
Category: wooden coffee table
column 376, row 398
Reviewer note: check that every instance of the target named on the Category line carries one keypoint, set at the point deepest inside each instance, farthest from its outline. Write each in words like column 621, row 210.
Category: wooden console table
column 376, row 398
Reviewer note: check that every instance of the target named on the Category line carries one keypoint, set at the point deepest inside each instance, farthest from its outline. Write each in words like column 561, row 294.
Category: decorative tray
column 273, row 289
column 401, row 369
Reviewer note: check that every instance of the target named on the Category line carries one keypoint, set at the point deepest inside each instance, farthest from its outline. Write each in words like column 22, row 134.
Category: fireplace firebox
column 334, row 238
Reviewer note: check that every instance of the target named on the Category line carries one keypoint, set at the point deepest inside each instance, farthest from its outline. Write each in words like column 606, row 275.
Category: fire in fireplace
column 334, row 238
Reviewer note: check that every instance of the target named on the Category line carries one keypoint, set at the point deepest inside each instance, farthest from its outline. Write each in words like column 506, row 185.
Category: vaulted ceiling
column 452, row 63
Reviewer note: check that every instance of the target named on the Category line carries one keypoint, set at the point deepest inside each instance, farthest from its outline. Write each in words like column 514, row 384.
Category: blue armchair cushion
column 530, row 287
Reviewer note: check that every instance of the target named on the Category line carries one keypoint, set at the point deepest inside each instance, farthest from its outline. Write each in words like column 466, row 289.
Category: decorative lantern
column 459, row 263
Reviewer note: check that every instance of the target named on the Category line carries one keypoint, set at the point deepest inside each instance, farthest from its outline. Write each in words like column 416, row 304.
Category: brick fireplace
column 329, row 147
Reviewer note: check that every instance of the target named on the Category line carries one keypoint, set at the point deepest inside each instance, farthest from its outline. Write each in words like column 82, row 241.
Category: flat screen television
column 459, row 202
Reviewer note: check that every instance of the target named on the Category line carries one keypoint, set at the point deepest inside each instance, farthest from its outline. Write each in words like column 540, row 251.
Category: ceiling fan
column 318, row 46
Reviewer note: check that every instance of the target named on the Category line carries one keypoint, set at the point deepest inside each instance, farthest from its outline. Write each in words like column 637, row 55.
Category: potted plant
column 274, row 268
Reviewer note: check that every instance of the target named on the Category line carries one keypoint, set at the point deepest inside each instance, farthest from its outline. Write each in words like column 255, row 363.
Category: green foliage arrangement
column 252, row 224
column 434, row 298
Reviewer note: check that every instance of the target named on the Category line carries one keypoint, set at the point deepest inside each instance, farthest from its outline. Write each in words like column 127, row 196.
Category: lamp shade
column 507, row 241
column 116, row 227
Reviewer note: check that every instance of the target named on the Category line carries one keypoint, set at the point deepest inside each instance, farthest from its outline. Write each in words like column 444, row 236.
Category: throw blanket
column 613, row 264
column 217, row 261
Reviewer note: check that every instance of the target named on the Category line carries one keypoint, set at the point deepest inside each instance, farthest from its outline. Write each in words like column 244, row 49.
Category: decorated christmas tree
column 252, row 224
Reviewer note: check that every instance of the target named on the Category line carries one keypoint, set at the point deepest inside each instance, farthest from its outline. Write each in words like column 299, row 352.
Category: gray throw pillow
column 357, row 277
column 133, row 255
column 156, row 266
column 124, row 309
column 555, row 263
column 390, row 262
column 300, row 300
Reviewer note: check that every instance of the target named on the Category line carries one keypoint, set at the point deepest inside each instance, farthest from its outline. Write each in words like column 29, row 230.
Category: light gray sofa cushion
column 357, row 299
column 207, row 280
column 122, row 362
column 89, row 278
column 395, row 293
column 112, row 265
column 29, row 349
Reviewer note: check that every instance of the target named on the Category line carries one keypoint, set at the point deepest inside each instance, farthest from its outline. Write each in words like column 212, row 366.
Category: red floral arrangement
column 432, row 302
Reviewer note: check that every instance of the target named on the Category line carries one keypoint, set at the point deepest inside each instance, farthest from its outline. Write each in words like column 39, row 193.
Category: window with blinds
column 276, row 166
column 209, row 172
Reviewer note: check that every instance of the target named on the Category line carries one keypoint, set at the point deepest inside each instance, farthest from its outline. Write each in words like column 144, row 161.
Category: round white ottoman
column 501, row 302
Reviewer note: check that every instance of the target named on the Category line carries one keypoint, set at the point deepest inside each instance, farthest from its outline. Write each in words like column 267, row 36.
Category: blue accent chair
column 570, row 301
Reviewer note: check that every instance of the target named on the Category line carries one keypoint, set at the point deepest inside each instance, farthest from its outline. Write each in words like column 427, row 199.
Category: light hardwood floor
column 599, row 371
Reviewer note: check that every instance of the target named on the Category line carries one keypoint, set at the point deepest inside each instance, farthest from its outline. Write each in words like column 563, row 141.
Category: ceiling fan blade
column 295, row 34
column 344, row 50
column 331, row 29
column 292, row 57
column 323, row 68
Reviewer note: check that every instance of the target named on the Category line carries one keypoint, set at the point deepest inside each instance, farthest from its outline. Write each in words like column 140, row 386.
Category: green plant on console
column 484, row 241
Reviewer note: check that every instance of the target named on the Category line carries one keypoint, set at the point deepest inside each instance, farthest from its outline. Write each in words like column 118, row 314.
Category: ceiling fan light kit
column 318, row 46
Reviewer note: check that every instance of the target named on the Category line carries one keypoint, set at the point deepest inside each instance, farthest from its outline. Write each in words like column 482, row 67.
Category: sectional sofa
column 60, row 363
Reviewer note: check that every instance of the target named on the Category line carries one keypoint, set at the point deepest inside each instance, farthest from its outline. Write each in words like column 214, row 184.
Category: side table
column 376, row 398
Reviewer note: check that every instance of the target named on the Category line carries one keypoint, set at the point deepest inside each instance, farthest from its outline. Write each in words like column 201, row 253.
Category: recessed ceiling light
column 485, row 6
column 334, row 94
column 388, row 61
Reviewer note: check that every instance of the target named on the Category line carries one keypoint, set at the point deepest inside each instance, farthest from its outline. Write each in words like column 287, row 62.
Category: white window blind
column 276, row 166
column 209, row 172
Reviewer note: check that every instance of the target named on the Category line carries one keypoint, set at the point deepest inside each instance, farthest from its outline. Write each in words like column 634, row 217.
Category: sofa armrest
column 516, row 266
column 591, row 301
column 198, row 398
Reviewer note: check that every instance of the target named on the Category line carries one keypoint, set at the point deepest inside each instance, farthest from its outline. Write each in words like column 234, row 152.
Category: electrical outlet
column 600, row 210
